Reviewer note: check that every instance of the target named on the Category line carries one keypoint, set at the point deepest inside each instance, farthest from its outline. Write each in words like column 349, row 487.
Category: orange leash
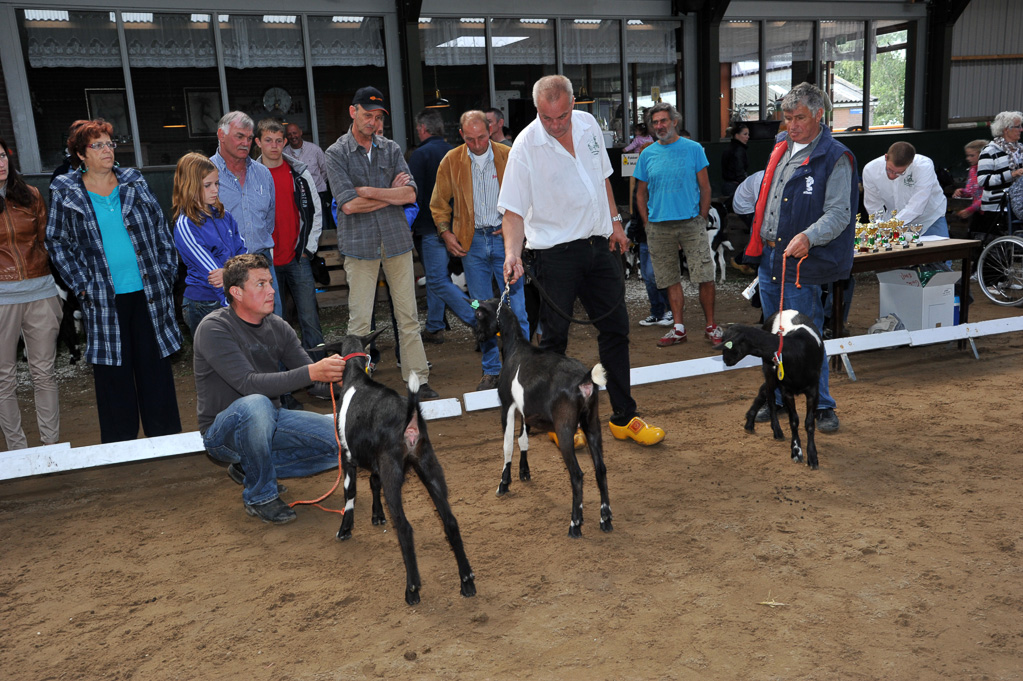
column 337, row 438
column 781, row 306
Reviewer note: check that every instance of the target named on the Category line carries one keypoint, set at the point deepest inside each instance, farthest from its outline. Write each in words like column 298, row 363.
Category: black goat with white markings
column 552, row 392
column 386, row 434
column 802, row 357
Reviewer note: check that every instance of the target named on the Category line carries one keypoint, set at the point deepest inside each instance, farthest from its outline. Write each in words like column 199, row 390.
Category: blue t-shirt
column 669, row 170
column 117, row 245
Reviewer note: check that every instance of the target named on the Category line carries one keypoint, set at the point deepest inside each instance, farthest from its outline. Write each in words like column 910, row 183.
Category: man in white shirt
column 315, row 160
column 905, row 182
column 556, row 196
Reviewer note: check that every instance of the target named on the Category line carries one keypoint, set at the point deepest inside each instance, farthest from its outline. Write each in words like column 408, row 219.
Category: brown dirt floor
column 899, row 559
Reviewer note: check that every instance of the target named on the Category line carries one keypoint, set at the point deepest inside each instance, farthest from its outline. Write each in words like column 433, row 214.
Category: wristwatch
column 617, row 218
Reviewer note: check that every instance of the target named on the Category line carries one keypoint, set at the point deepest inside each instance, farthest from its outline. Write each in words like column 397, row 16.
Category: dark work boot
column 275, row 512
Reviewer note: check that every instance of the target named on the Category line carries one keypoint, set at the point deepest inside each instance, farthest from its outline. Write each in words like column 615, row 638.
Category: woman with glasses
column 108, row 239
column 29, row 307
column 1000, row 164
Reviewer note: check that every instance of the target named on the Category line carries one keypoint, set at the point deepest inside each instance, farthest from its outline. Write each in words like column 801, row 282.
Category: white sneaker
column 649, row 321
column 667, row 320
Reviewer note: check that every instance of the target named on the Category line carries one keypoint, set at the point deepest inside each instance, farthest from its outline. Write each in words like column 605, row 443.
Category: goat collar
column 354, row 354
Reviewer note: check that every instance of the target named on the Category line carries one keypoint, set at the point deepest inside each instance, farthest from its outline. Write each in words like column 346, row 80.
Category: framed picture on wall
column 110, row 104
column 203, row 111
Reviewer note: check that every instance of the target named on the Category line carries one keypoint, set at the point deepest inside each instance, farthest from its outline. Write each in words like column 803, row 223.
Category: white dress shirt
column 561, row 198
column 915, row 195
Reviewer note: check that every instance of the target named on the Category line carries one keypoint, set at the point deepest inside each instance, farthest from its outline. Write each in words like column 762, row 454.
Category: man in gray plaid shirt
column 371, row 183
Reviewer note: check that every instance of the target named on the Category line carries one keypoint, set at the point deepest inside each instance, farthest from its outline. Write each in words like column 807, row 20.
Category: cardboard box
column 919, row 307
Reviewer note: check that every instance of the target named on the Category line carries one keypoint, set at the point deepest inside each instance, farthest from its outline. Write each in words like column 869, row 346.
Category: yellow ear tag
column 781, row 371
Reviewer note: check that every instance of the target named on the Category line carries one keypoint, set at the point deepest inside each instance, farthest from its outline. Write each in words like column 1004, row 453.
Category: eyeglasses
column 99, row 145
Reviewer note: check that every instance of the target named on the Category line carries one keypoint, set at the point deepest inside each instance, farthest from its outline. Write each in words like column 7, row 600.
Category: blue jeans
column 271, row 443
column 278, row 305
column 297, row 277
column 194, row 310
column 806, row 300
column 440, row 290
column 484, row 266
column 657, row 296
column 937, row 228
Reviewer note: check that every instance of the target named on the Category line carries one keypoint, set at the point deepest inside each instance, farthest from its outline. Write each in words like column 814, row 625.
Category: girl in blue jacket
column 206, row 236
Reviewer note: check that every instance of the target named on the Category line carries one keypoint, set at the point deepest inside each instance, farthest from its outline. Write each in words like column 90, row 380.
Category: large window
column 73, row 62
column 888, row 74
column 591, row 59
column 523, row 52
column 842, row 72
column 454, row 58
column 653, row 66
column 788, row 46
column 739, row 53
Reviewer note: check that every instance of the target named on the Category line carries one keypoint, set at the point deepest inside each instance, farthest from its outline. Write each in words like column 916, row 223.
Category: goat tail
column 598, row 374
column 412, row 430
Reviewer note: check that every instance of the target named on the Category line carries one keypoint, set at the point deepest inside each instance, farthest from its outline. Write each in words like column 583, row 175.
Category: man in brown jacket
column 464, row 207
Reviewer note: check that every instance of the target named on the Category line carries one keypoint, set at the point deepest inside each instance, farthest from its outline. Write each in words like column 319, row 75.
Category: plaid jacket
column 76, row 250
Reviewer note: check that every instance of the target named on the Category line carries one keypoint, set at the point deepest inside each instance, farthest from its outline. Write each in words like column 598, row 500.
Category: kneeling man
column 238, row 352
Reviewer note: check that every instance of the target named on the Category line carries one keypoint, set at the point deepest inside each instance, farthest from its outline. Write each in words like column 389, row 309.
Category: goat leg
column 567, row 447
column 790, row 407
column 508, row 424
column 812, row 399
column 392, row 478
column 523, row 454
column 432, row 475
column 378, row 509
column 348, row 519
column 593, row 440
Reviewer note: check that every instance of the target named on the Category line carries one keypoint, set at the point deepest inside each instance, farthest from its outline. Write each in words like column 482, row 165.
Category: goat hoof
column 469, row 588
column 412, row 596
column 502, row 489
column 575, row 532
column 379, row 520
column 749, row 429
column 524, row 476
column 813, row 465
column 605, row 525
column 797, row 458
column 344, row 536
column 778, row 435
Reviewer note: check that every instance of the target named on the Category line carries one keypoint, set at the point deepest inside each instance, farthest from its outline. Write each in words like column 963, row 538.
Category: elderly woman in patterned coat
column 108, row 238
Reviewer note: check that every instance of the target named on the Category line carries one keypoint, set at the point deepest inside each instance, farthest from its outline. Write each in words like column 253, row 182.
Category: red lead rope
column 337, row 438
column 781, row 306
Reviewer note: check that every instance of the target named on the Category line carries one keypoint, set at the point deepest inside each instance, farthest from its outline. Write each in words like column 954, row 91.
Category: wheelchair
column 1000, row 266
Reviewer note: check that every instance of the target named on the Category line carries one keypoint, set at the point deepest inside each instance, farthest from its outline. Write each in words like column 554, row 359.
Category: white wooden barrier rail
column 61, row 457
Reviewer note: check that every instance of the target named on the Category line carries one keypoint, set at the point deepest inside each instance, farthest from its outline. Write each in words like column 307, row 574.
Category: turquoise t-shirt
column 669, row 170
column 120, row 252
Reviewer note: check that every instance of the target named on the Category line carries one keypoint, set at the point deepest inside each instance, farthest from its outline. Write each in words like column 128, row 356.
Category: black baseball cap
column 370, row 99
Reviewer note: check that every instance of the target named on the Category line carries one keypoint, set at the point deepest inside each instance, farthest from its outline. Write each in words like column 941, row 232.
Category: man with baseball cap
column 371, row 183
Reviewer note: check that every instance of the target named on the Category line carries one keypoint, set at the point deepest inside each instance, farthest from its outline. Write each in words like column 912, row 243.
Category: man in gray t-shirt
column 238, row 353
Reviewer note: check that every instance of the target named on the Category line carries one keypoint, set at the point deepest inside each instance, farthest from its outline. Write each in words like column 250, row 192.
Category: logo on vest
column 908, row 180
column 594, row 146
column 809, row 186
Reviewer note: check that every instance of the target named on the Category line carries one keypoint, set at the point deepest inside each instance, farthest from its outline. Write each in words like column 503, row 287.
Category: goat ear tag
column 781, row 372
column 728, row 345
column 475, row 304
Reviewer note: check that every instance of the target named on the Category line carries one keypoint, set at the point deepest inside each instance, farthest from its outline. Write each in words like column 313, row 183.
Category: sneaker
column 275, row 511
column 578, row 440
column 713, row 334
column 488, row 382
column 650, row 320
column 673, row 337
column 427, row 393
column 827, row 420
column 289, row 402
column 435, row 337
column 638, row 430
column 237, row 473
column 667, row 320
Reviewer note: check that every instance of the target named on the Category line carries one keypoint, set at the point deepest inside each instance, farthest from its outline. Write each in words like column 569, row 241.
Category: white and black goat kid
column 552, row 392
column 802, row 357
column 386, row 434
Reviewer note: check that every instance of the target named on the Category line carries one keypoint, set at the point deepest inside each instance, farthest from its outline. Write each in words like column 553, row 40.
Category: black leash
column 562, row 313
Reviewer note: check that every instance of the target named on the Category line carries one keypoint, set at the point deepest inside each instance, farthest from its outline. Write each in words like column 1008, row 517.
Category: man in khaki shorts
column 673, row 199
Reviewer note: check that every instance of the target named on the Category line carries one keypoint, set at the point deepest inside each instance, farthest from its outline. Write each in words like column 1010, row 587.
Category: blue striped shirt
column 485, row 189
column 253, row 205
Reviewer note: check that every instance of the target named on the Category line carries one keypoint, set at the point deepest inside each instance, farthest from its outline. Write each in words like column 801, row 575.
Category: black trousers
column 587, row 270
column 143, row 384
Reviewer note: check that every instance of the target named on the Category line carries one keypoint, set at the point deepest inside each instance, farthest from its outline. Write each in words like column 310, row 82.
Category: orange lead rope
column 781, row 306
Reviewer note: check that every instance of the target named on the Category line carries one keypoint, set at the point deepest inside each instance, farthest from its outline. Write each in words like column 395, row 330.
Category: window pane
column 454, row 58
column 347, row 53
column 842, row 69
column 788, row 46
column 265, row 67
column 592, row 61
column 650, row 53
column 73, row 62
column 739, row 52
column 888, row 75
column 523, row 53
column 177, row 89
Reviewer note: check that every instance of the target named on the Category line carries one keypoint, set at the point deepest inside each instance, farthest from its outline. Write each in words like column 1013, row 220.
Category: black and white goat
column 386, row 434
column 552, row 392
column 802, row 356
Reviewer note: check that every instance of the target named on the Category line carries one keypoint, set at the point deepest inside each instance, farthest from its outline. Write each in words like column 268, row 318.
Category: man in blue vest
column 807, row 207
